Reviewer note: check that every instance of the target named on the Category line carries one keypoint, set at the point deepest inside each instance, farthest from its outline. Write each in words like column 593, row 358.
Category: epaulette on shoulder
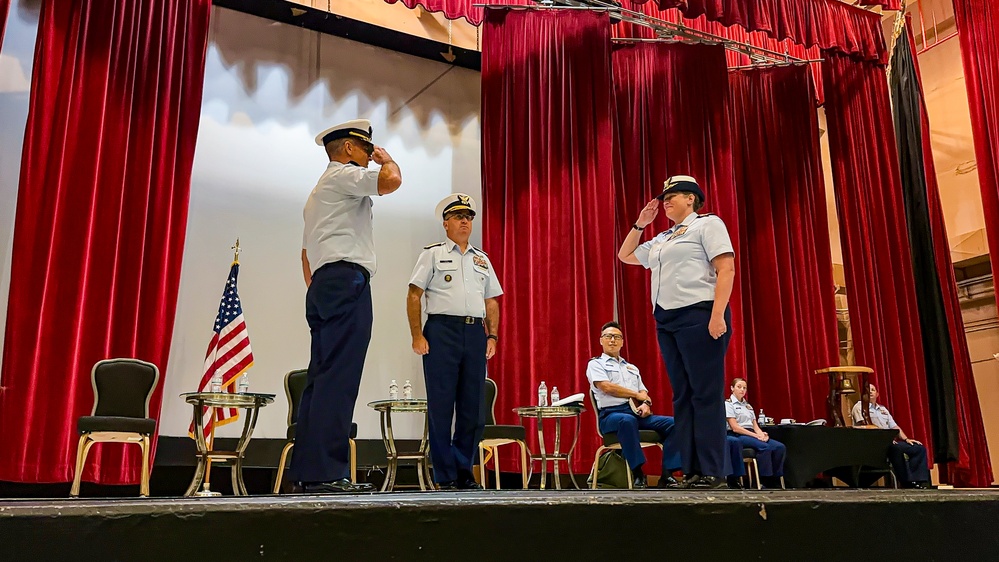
column 479, row 250
column 433, row 245
column 707, row 215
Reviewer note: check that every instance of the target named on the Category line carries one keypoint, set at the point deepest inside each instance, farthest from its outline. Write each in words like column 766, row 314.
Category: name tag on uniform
column 447, row 265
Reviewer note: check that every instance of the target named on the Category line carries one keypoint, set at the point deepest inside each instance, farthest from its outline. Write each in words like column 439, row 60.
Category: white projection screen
column 269, row 89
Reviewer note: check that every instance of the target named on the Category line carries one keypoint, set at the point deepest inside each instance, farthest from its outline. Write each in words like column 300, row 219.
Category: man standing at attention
column 461, row 287
column 338, row 260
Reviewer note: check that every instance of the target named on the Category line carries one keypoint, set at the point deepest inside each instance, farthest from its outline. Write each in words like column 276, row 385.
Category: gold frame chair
column 494, row 443
column 294, row 401
column 614, row 446
column 101, row 417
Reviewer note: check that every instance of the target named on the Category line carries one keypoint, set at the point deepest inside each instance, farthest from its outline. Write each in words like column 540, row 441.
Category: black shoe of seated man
column 468, row 484
column 668, row 482
column 708, row 483
column 920, row 485
column 735, row 483
column 343, row 485
column 449, row 486
column 689, row 480
column 639, row 482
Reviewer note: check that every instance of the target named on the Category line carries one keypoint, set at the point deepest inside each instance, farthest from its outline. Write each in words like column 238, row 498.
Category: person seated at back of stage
column 614, row 382
column 907, row 456
column 742, row 425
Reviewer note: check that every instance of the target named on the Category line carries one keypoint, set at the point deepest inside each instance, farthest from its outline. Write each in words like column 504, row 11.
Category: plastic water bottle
column 761, row 420
column 554, row 395
column 243, row 386
column 393, row 390
column 542, row 394
column 217, row 382
column 407, row 391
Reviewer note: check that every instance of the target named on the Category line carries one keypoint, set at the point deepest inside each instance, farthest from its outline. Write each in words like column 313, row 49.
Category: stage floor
column 513, row 525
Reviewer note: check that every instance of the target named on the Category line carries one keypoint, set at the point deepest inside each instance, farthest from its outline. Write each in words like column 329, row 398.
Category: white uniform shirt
column 338, row 217
column 455, row 283
column 616, row 371
column 879, row 416
column 741, row 411
column 680, row 260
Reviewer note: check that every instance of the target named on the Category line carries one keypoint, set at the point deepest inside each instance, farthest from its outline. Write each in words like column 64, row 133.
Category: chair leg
column 523, row 463
column 496, row 471
column 782, row 486
column 353, row 460
column 482, row 465
column 631, row 477
column 81, row 448
column 281, row 463
column 144, row 478
column 595, row 471
column 894, row 480
column 747, row 478
column 756, row 473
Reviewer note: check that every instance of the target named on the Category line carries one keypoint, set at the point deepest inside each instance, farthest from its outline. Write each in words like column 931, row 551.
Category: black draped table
column 837, row 451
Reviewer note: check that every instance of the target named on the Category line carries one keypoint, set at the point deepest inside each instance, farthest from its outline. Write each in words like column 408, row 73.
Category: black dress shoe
column 449, row 486
column 668, row 482
column 343, row 485
column 920, row 485
column 735, row 483
column 708, row 483
column 689, row 481
column 639, row 483
column 468, row 484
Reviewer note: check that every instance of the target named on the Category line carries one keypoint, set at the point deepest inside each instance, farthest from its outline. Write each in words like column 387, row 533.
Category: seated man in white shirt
column 907, row 456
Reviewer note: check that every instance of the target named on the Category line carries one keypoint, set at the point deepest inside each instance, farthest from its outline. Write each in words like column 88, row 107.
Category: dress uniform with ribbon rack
column 459, row 286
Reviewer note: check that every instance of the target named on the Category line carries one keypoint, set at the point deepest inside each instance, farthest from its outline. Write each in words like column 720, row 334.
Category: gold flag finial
column 235, row 251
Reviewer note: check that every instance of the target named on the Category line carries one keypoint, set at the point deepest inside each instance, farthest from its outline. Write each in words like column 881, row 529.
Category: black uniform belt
column 346, row 265
column 455, row 319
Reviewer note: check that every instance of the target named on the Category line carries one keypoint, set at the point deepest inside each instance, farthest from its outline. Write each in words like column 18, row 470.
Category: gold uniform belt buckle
column 469, row 320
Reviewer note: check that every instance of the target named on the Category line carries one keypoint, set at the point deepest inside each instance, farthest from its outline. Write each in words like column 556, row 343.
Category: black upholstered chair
column 294, row 386
column 122, row 389
column 646, row 437
column 495, row 435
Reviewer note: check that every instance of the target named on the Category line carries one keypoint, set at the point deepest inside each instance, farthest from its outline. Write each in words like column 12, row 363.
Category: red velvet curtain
column 101, row 219
column 972, row 467
column 880, row 284
column 978, row 26
column 672, row 118
column 829, row 24
column 4, row 8
column 547, row 190
column 789, row 309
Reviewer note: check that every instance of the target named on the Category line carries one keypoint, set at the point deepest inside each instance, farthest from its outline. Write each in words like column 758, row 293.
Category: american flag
column 228, row 353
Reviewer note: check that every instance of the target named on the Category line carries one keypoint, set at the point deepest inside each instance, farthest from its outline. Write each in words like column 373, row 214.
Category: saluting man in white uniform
column 338, row 260
column 460, row 287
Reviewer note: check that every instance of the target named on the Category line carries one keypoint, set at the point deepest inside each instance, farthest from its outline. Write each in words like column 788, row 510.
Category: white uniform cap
column 455, row 202
column 358, row 128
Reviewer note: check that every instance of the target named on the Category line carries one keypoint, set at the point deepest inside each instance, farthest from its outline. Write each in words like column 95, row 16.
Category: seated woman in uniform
column 742, row 425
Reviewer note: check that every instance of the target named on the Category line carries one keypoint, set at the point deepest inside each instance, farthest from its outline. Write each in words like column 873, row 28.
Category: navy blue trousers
column 695, row 363
column 338, row 309
column 733, row 460
column 622, row 421
column 911, row 469
column 769, row 455
column 455, row 373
